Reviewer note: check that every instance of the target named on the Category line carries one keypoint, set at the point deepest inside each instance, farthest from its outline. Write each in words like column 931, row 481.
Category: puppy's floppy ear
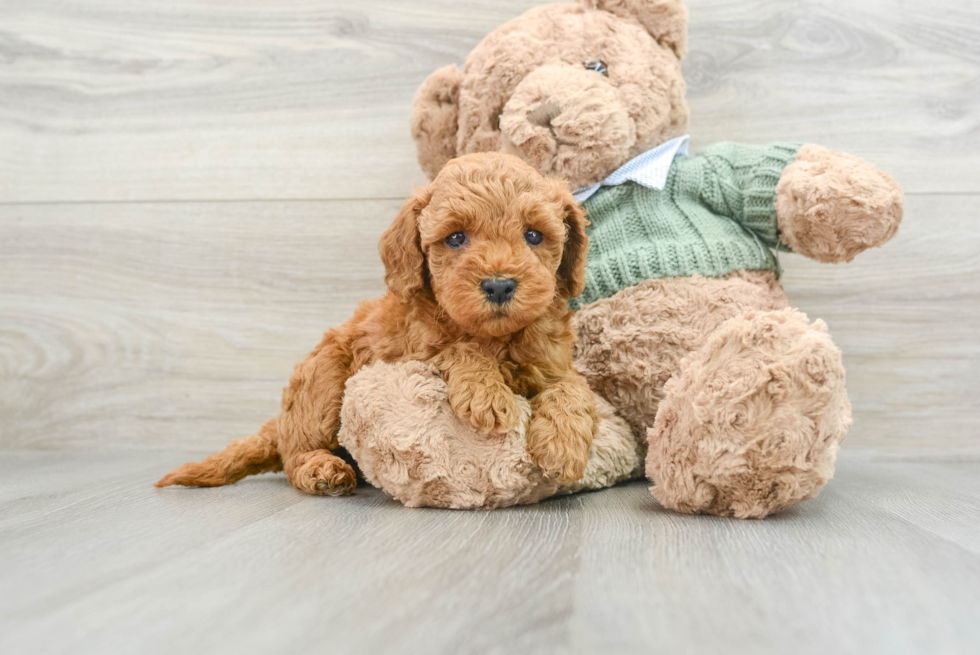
column 435, row 119
column 665, row 20
column 572, row 266
column 401, row 248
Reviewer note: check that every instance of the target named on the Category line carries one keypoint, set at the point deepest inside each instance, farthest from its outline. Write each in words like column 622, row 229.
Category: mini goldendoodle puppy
column 479, row 266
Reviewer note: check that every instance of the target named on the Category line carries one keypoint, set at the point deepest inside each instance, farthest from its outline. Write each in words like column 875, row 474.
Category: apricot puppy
column 479, row 265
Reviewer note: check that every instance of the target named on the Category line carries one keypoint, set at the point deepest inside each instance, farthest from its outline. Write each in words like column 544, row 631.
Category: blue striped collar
column 648, row 169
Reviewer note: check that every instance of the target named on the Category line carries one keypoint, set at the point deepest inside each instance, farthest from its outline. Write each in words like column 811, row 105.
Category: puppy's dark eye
column 456, row 240
column 598, row 66
column 533, row 237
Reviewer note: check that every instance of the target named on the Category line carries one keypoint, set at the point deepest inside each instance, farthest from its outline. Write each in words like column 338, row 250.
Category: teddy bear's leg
column 751, row 423
column 399, row 426
column 631, row 344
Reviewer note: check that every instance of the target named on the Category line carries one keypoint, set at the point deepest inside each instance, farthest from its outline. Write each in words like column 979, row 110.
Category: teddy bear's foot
column 752, row 423
column 398, row 425
column 832, row 206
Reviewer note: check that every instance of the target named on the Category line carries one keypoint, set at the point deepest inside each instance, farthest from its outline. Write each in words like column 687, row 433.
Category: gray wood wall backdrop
column 191, row 191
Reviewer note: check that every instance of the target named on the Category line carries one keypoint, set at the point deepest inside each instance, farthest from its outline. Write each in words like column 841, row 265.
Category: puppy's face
column 493, row 244
column 494, row 241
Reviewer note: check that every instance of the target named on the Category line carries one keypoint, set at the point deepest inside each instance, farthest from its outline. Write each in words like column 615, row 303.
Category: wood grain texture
column 191, row 192
column 132, row 324
column 208, row 99
column 177, row 324
column 95, row 560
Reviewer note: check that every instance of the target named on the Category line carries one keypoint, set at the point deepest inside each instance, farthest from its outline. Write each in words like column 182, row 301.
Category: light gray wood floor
column 95, row 560
column 191, row 192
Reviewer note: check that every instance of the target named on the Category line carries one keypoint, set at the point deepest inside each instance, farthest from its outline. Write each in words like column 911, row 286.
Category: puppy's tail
column 248, row 456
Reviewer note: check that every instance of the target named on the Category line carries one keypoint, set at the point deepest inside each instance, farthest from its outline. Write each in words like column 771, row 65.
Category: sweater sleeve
column 739, row 181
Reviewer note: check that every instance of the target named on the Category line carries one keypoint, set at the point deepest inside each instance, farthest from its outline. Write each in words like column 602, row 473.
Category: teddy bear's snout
column 544, row 114
column 558, row 112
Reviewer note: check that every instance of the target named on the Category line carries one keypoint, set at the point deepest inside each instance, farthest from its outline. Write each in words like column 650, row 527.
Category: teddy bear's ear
column 665, row 20
column 435, row 119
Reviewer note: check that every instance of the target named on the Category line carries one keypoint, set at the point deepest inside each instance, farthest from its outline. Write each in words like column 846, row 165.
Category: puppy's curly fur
column 437, row 311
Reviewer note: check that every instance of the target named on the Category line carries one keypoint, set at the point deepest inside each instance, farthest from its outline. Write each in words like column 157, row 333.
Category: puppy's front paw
column 559, row 443
column 490, row 407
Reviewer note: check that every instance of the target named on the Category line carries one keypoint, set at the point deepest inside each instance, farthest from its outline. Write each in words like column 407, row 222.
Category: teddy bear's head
column 574, row 89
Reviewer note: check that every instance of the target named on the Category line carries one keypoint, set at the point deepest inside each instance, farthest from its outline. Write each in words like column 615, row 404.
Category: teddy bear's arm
column 830, row 206
column 826, row 205
column 739, row 181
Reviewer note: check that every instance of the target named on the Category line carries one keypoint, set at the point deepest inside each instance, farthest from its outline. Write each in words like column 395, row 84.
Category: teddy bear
column 730, row 400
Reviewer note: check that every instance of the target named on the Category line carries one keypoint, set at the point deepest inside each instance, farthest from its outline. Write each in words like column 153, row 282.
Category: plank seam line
column 228, row 201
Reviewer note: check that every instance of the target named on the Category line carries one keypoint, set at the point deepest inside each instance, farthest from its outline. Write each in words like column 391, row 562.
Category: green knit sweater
column 716, row 214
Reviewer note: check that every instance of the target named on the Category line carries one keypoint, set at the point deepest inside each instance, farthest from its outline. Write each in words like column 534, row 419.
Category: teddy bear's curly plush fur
column 411, row 443
column 735, row 399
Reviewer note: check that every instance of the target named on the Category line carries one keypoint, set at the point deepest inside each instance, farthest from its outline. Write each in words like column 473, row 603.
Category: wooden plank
column 818, row 578
column 93, row 559
column 177, row 324
column 893, row 81
column 141, row 100
column 123, row 100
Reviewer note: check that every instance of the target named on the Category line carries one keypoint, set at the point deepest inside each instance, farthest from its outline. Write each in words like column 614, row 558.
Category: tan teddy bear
column 736, row 401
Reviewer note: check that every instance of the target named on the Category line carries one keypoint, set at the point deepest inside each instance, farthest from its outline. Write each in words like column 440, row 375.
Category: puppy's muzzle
column 499, row 290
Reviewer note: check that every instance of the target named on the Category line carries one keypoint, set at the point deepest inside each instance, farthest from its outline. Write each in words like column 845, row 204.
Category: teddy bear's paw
column 752, row 423
column 398, row 425
column 488, row 406
column 322, row 473
column 832, row 206
column 558, row 442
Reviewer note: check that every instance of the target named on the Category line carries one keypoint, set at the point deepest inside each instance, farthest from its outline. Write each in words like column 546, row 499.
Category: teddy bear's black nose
column 499, row 290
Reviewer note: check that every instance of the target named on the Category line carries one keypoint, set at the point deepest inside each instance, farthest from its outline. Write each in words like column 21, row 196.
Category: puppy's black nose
column 499, row 291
